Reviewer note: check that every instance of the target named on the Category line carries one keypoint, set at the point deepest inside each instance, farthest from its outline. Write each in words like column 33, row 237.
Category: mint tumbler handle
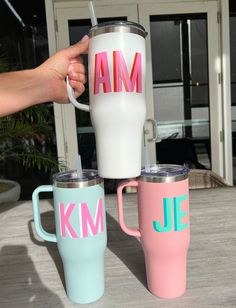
column 37, row 218
column 121, row 186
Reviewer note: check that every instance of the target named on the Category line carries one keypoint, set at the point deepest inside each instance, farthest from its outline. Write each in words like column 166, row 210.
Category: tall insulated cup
column 117, row 73
column 163, row 215
column 80, row 231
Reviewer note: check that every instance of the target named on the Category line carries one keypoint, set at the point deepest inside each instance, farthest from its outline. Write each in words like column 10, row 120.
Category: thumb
column 79, row 48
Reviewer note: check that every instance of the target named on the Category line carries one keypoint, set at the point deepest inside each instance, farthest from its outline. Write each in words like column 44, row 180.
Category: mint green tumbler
column 81, row 234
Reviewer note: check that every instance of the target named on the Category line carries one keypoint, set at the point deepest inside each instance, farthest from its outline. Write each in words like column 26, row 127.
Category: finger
column 77, row 77
column 78, row 59
column 77, row 86
column 78, row 94
column 77, row 68
column 77, row 49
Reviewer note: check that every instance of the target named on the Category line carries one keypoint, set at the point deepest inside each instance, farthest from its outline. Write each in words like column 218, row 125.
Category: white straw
column 92, row 13
column 79, row 167
column 146, row 159
column 145, row 154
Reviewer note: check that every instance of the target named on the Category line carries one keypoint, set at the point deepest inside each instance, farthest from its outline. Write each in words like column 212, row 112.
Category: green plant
column 25, row 135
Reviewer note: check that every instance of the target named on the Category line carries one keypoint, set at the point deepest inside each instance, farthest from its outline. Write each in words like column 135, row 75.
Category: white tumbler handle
column 72, row 98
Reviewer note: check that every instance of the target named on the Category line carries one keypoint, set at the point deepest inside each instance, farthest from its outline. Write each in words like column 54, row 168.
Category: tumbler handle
column 72, row 98
column 127, row 230
column 37, row 218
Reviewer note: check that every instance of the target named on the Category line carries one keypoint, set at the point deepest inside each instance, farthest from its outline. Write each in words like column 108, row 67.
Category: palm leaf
column 22, row 136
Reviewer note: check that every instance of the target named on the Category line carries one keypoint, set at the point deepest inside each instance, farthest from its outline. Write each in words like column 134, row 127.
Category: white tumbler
column 117, row 73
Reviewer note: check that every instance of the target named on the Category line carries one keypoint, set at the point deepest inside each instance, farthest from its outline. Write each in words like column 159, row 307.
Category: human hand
column 65, row 62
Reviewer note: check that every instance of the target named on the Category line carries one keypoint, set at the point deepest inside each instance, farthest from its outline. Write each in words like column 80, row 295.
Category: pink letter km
column 64, row 220
column 88, row 225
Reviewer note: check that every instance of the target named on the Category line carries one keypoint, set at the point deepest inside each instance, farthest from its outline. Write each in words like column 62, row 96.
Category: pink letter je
column 121, row 73
column 64, row 220
column 101, row 73
column 87, row 221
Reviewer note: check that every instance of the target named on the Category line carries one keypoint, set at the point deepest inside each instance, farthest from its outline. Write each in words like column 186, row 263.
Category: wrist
column 43, row 89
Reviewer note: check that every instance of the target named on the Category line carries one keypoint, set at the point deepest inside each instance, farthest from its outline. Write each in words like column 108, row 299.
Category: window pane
column 198, row 62
column 166, row 60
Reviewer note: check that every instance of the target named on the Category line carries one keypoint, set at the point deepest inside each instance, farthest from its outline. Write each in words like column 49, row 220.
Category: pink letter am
column 64, row 220
column 88, row 224
column 121, row 73
column 101, row 73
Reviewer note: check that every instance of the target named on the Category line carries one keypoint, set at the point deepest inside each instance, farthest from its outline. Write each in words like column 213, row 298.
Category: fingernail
column 84, row 39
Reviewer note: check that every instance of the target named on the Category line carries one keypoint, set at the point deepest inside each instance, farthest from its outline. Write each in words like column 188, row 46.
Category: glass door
column 73, row 24
column 233, row 86
column 184, row 86
column 181, row 89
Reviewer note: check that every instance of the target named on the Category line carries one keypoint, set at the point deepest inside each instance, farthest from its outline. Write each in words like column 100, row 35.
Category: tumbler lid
column 117, row 26
column 164, row 173
column 70, row 179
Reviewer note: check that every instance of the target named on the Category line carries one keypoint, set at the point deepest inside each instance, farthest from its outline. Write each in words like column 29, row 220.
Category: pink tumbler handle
column 127, row 230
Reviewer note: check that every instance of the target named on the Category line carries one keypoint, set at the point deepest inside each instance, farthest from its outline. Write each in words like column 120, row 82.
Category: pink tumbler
column 164, row 230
